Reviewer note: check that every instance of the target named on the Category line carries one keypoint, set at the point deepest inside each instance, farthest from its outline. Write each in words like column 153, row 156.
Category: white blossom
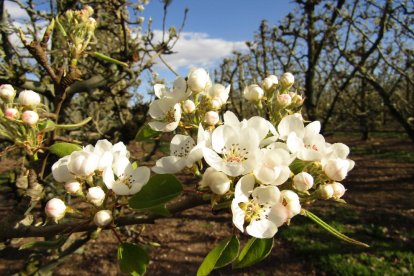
column 286, row 80
column 60, row 170
column 272, row 167
column 218, row 182
column 338, row 190
column 29, row 98
column 188, row 106
column 167, row 114
column 211, row 118
column 7, row 93
column 253, row 93
column 337, row 168
column 83, row 163
column 96, row 196
column 197, row 80
column 270, row 83
column 30, row 117
column 73, row 187
column 102, row 218
column 303, row 181
column 55, row 209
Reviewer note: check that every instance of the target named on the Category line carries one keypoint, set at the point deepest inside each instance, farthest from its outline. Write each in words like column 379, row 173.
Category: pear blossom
column 272, row 167
column 211, row 118
column 167, row 114
column 178, row 93
column 102, row 218
column 55, row 209
column 7, row 93
column 218, row 182
column 291, row 201
column 11, row 113
column 284, row 100
column 253, row 93
column 60, row 170
column 188, row 106
column 30, row 117
column 96, row 196
column 270, row 83
column 338, row 190
column 197, row 80
column 303, row 181
column 184, row 153
column 83, row 163
column 218, row 95
column 107, row 153
column 73, row 187
column 124, row 179
column 258, row 207
column 29, row 98
column 337, row 168
column 287, row 80
column 326, row 191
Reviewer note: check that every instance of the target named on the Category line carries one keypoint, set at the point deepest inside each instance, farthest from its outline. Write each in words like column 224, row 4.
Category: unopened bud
column 55, row 209
column 11, row 113
column 253, row 93
column 337, row 169
column 188, row 106
column 218, row 182
column 284, row 100
column 287, row 80
column 73, row 187
column 29, row 98
column 211, row 118
column 102, row 218
column 303, row 181
column 7, row 93
column 96, row 196
column 30, row 117
column 326, row 191
column 338, row 190
column 82, row 163
column 198, row 80
column 270, row 83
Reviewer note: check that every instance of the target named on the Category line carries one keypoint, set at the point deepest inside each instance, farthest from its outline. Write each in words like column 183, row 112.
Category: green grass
column 389, row 253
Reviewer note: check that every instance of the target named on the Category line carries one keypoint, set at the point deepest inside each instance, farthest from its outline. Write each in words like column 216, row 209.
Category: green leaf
column 221, row 255
column 132, row 258
column 47, row 126
column 146, row 133
column 330, row 229
column 161, row 210
column 53, row 244
column 253, row 252
column 62, row 149
column 160, row 189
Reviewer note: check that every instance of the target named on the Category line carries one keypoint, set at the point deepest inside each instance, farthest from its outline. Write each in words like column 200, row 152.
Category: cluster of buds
column 79, row 27
column 267, row 170
column 275, row 94
column 193, row 100
column 100, row 175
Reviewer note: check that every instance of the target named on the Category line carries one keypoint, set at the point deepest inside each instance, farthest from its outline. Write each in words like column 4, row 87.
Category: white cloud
column 199, row 50
column 15, row 11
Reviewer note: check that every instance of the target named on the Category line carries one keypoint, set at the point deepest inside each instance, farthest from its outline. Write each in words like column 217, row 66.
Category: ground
column 380, row 212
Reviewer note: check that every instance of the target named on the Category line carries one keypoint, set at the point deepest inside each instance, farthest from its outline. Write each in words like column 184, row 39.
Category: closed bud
column 253, row 93
column 284, row 100
column 102, row 218
column 287, row 80
column 30, row 117
column 216, row 103
column 29, row 98
column 218, row 182
column 270, row 83
column 55, row 209
column 7, row 93
column 73, row 187
column 11, row 113
column 303, row 181
column 198, row 80
column 337, row 169
column 188, row 106
column 326, row 191
column 82, row 163
column 211, row 118
column 338, row 190
column 297, row 99
column 96, row 196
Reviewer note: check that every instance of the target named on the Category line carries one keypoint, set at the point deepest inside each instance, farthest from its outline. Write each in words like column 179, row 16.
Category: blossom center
column 235, row 153
column 254, row 210
column 126, row 180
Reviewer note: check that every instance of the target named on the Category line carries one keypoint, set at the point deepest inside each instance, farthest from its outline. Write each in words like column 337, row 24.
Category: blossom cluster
column 266, row 169
column 100, row 175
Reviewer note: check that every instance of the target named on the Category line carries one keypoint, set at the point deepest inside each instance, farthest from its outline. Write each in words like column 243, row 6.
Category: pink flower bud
column 55, row 209
column 211, row 118
column 29, row 98
column 287, row 80
column 73, row 187
column 96, row 196
column 188, row 106
column 11, row 113
column 30, row 117
column 303, row 181
column 284, row 99
column 7, row 93
column 102, row 218
column 198, row 80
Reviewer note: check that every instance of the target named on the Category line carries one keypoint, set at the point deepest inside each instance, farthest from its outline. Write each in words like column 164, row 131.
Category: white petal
column 160, row 90
column 294, row 143
column 102, row 145
column 181, row 145
column 289, row 124
column 213, row 159
column 120, row 188
column 244, row 188
column 140, row 177
column 120, row 164
column 266, row 194
column 169, row 164
column 260, row 125
column 340, row 150
column 158, row 126
column 238, row 215
column 261, row 229
column 108, row 178
column 283, row 176
column 313, row 128
column 234, row 168
column 231, row 119
column 279, row 214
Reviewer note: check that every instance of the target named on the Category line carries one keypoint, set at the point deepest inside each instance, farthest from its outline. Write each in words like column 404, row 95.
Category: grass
column 389, row 253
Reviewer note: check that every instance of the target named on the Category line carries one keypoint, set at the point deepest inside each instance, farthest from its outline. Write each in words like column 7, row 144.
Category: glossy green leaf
column 132, row 258
column 330, row 229
column 62, row 149
column 160, row 189
column 146, row 133
column 221, row 255
column 47, row 126
column 161, row 210
column 253, row 252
